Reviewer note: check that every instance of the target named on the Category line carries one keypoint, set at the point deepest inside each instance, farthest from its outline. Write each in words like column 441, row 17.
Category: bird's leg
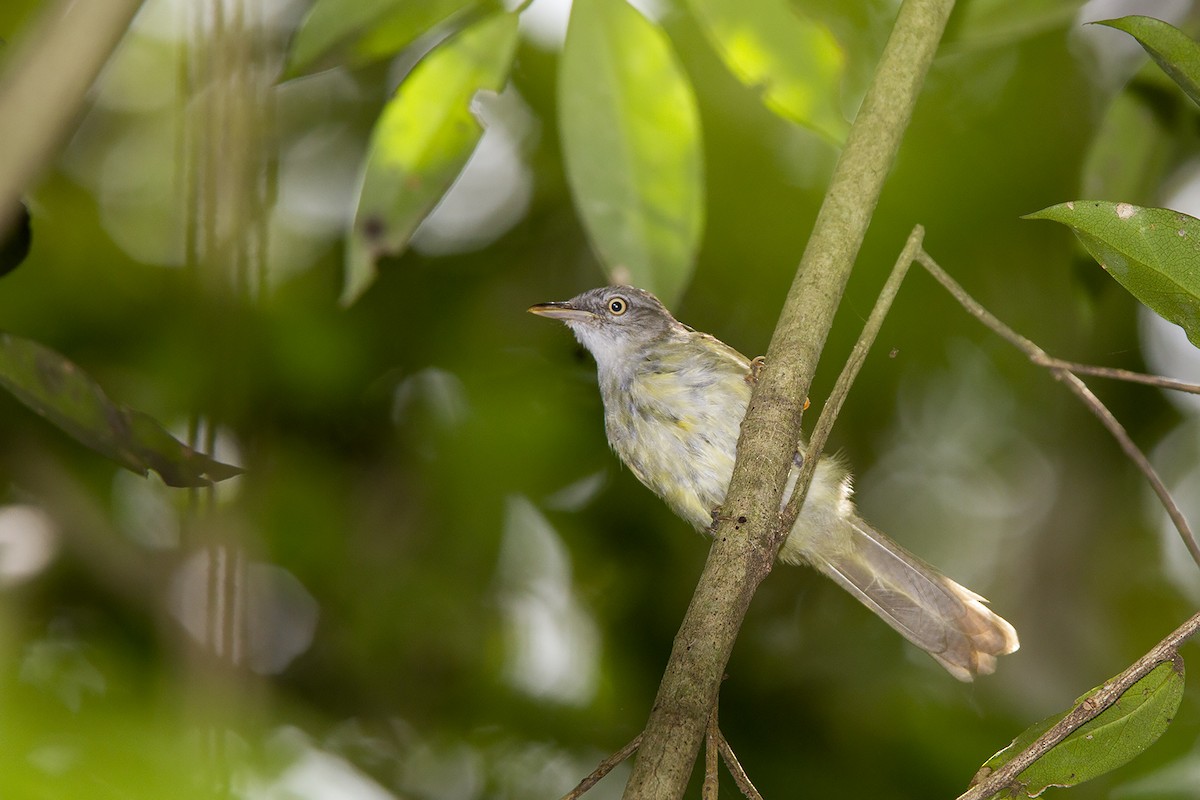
column 756, row 367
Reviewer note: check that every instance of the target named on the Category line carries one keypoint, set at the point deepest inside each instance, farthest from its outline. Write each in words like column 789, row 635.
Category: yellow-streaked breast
column 673, row 413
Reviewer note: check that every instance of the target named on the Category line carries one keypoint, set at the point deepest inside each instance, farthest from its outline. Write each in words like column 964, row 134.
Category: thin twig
column 1078, row 387
column 1089, row 709
column 712, row 758
column 837, row 398
column 606, row 766
column 735, row 769
column 1123, row 375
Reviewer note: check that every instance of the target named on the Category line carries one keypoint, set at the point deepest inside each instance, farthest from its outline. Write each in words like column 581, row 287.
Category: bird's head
column 612, row 322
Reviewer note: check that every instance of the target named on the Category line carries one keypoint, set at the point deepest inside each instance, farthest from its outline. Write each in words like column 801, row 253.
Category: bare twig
column 1063, row 373
column 1122, row 375
column 712, row 758
column 735, row 769
column 854, row 362
column 1090, row 708
column 606, row 766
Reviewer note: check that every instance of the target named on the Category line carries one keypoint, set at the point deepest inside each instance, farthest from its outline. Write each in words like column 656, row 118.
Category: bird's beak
column 562, row 310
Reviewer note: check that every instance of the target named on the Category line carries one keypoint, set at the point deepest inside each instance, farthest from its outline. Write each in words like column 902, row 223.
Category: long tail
column 947, row 620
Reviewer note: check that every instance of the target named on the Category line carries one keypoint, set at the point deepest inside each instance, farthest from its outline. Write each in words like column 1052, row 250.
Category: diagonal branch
column 1062, row 371
column 1089, row 709
column 45, row 83
column 744, row 550
column 606, row 766
column 841, row 389
column 1121, row 375
column 735, row 769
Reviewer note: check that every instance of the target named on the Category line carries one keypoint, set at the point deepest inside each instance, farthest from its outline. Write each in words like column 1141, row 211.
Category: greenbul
column 674, row 399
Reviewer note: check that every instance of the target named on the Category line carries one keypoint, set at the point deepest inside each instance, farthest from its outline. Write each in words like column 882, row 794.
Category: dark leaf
column 62, row 393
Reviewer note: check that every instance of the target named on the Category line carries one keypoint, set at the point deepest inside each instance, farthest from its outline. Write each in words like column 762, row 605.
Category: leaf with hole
column 1108, row 741
column 631, row 146
column 421, row 141
column 69, row 399
column 1172, row 49
column 1153, row 252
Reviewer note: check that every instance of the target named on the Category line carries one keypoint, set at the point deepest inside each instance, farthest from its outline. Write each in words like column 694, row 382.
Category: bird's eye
column 617, row 306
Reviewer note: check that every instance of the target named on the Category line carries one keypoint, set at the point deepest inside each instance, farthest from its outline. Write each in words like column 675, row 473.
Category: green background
column 496, row 597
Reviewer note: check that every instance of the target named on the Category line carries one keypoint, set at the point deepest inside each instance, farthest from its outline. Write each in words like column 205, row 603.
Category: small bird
column 674, row 399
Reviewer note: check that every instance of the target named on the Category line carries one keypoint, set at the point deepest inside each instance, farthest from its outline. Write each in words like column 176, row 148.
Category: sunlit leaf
column 631, row 144
column 70, row 400
column 1171, row 49
column 794, row 61
column 422, row 140
column 361, row 31
column 1107, row 742
column 14, row 247
column 1152, row 252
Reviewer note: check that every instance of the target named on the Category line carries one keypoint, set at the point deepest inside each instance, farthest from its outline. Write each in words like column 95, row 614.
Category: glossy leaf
column 795, row 62
column 1107, row 742
column 422, row 140
column 70, row 400
column 631, row 143
column 361, row 31
column 1152, row 252
column 1172, row 49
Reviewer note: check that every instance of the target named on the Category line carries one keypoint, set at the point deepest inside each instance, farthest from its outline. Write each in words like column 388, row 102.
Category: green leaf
column 70, row 400
column 422, row 140
column 1152, row 252
column 1108, row 741
column 362, row 31
column 631, row 146
column 1171, row 49
column 795, row 62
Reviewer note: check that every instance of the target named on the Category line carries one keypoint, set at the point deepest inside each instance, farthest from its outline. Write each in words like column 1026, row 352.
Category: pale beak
column 562, row 310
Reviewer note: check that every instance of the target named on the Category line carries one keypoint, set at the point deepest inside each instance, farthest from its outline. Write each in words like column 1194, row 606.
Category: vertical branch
column 712, row 758
column 744, row 544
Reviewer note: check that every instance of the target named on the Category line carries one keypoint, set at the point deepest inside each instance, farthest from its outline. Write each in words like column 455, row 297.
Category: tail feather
column 947, row 620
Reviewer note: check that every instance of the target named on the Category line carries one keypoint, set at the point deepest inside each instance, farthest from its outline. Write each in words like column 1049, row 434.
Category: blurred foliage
column 452, row 589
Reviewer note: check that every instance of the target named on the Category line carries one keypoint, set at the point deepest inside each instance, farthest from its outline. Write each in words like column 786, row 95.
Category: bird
column 674, row 399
